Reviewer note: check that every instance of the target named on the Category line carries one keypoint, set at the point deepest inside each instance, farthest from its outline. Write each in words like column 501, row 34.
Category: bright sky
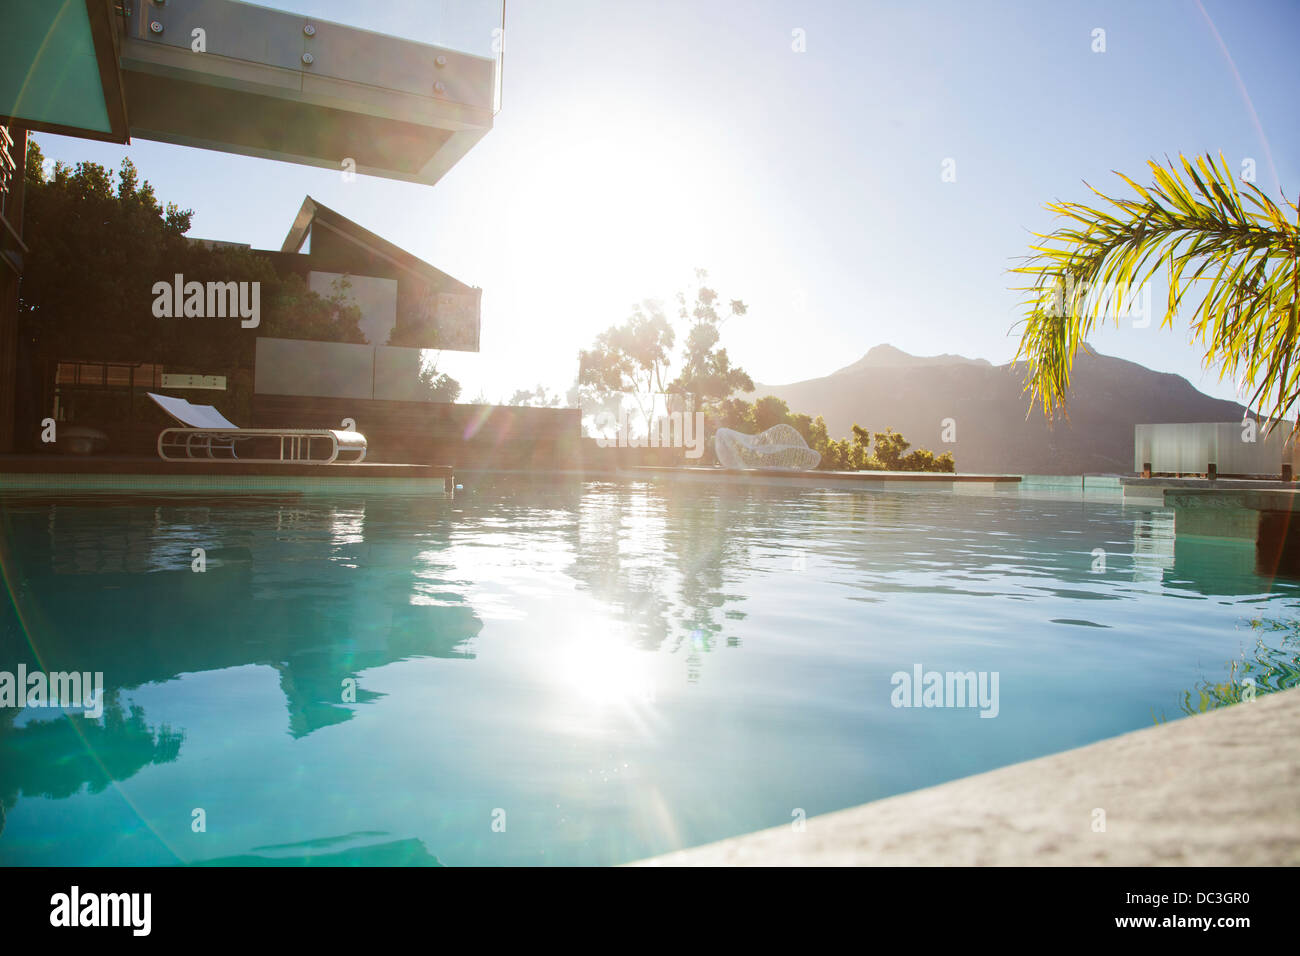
column 640, row 139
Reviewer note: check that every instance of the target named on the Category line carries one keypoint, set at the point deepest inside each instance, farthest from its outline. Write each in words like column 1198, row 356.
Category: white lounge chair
column 208, row 435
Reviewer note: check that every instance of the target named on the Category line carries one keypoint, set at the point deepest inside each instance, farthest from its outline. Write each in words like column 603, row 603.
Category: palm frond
column 1236, row 247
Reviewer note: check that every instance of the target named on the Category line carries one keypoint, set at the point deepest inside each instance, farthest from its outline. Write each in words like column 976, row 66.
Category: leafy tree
column 734, row 413
column 890, row 446
column 290, row 309
column 539, row 397
column 633, row 359
column 439, row 387
column 770, row 410
column 812, row 429
column 707, row 373
column 629, row 359
column 847, row 454
column 96, row 251
column 99, row 244
column 1238, row 246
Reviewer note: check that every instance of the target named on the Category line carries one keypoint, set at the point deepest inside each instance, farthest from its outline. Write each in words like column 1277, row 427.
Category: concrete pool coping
column 1215, row 789
column 926, row 477
column 1230, row 499
column 96, row 473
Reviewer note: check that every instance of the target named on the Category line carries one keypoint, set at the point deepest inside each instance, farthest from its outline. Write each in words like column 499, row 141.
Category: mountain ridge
column 995, row 427
column 887, row 356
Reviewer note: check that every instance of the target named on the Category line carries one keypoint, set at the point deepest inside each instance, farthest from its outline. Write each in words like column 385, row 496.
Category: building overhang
column 59, row 69
column 240, row 78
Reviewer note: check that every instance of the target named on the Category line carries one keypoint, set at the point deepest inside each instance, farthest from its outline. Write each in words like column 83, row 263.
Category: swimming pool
column 572, row 672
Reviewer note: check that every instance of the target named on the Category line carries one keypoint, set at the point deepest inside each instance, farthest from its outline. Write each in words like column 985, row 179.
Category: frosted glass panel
column 397, row 375
column 317, row 369
column 1234, row 448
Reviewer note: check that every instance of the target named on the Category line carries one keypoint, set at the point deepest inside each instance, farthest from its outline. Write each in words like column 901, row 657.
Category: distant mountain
column 994, row 427
column 886, row 356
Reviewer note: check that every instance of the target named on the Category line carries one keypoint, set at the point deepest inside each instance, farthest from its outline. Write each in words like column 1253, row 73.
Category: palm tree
column 1238, row 247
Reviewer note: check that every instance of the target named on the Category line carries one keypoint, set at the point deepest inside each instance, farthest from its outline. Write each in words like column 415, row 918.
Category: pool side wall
column 1216, row 789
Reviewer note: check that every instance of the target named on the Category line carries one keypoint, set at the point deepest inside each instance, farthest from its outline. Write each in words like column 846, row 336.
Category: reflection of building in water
column 1153, row 546
column 138, row 541
column 319, row 590
column 1166, row 553
column 164, row 538
column 1217, row 566
column 326, row 852
column 347, row 525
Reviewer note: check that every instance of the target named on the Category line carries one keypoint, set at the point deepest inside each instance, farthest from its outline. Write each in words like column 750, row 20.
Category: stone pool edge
column 1216, row 789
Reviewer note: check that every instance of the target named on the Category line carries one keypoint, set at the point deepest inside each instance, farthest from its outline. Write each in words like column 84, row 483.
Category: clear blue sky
column 639, row 139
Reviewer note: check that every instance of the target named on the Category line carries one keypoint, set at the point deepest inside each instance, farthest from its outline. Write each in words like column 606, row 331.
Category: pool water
column 570, row 672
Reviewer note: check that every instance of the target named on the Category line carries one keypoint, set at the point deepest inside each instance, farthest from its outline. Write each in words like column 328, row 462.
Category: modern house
column 239, row 78
column 404, row 306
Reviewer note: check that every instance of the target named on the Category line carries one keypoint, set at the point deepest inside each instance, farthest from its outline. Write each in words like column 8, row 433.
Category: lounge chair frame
column 218, row 444
column 295, row 445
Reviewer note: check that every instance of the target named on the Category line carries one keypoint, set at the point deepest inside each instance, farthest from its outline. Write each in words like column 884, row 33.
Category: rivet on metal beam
column 439, row 87
column 308, row 58
column 309, row 30
column 155, row 26
column 440, row 60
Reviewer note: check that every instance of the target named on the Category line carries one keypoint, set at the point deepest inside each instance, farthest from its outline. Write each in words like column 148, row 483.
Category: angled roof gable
column 313, row 213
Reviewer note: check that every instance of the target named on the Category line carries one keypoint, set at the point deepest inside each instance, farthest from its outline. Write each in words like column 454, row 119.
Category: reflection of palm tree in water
column 1274, row 666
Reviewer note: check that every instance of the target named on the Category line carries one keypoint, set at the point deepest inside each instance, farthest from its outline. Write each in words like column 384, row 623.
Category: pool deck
column 1216, row 789
column 91, row 473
